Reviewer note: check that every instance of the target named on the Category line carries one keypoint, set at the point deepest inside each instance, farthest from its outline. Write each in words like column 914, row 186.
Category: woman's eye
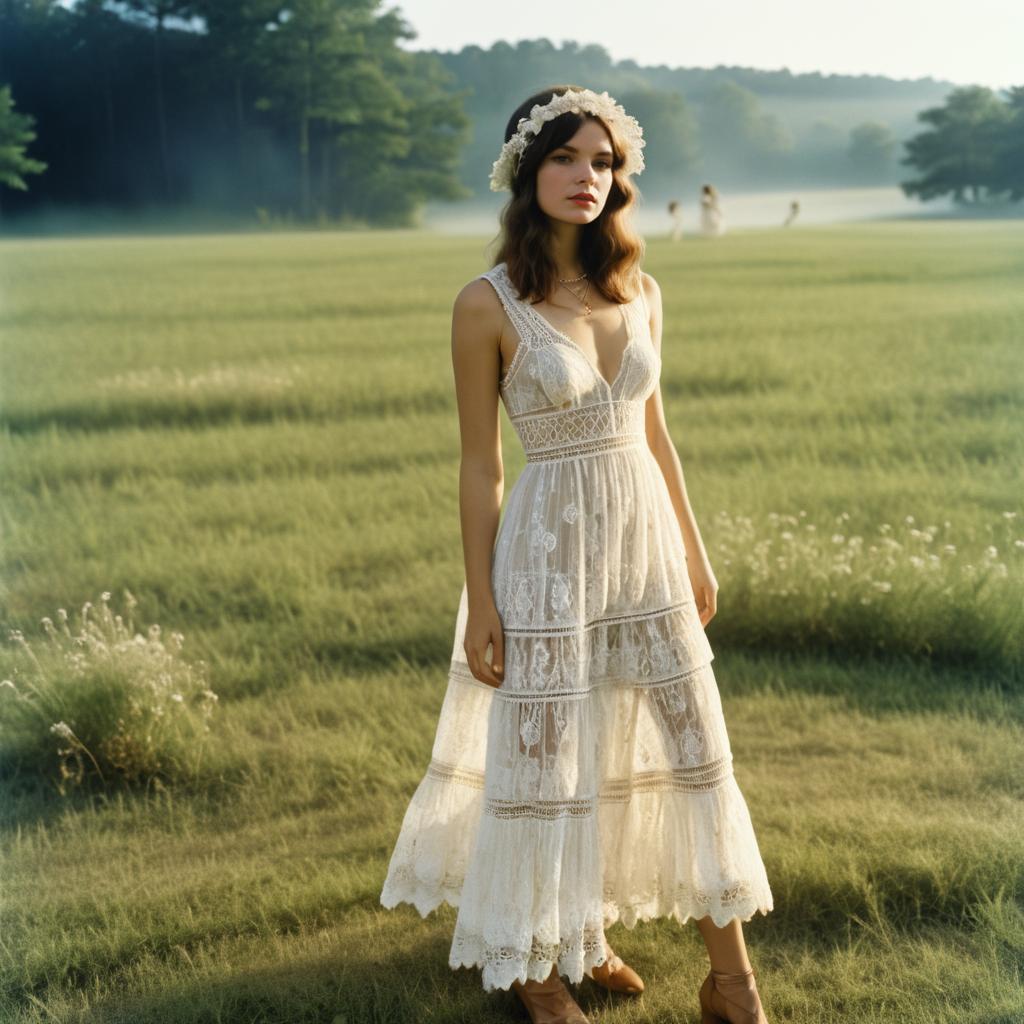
column 602, row 163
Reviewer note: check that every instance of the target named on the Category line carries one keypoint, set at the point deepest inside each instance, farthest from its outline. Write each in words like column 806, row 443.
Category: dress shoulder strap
column 643, row 296
column 511, row 301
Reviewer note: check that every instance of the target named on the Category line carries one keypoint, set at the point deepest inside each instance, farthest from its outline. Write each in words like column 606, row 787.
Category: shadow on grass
column 403, row 975
column 876, row 684
column 91, row 416
column 698, row 385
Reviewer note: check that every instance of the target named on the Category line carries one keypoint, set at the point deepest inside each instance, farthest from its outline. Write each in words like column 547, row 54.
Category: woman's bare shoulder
column 651, row 288
column 478, row 300
column 477, row 307
column 478, row 296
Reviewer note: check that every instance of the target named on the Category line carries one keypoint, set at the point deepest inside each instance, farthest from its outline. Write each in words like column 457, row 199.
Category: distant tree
column 159, row 11
column 670, row 134
column 15, row 133
column 387, row 126
column 101, row 36
column 390, row 165
column 771, row 137
column 959, row 153
column 871, row 148
column 728, row 120
column 736, row 132
column 820, row 153
column 1008, row 172
column 319, row 71
column 234, row 29
column 823, row 135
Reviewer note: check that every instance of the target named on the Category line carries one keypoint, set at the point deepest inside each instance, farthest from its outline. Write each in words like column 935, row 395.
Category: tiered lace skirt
column 596, row 784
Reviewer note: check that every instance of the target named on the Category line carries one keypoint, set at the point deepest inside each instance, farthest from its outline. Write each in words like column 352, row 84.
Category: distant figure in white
column 711, row 221
column 675, row 209
column 794, row 209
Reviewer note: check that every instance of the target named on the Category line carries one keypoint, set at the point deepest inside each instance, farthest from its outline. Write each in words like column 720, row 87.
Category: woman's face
column 583, row 164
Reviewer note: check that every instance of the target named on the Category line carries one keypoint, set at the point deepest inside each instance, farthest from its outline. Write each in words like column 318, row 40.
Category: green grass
column 257, row 437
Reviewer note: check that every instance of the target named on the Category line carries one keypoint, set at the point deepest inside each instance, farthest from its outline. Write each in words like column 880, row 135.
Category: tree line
column 313, row 112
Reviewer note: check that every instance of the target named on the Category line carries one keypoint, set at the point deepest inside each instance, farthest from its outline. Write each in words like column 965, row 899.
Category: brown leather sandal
column 549, row 1002
column 616, row 975
column 731, row 999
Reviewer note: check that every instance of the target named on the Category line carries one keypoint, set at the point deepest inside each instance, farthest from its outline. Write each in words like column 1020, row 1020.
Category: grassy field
column 256, row 437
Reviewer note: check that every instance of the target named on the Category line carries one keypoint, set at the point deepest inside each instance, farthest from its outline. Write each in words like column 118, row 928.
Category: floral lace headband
column 627, row 130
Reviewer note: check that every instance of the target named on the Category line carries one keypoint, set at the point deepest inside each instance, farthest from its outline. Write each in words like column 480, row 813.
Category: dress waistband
column 584, row 448
column 581, row 431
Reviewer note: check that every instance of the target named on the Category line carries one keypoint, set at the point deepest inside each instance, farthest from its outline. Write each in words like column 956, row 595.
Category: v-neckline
column 630, row 338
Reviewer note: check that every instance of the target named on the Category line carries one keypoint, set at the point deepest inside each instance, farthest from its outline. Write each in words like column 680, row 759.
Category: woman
column 675, row 211
column 581, row 771
column 711, row 220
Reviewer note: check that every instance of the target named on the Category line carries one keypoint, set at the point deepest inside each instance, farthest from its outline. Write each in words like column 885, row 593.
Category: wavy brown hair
column 610, row 249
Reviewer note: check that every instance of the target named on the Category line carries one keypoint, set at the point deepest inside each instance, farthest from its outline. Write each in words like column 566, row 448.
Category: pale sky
column 980, row 42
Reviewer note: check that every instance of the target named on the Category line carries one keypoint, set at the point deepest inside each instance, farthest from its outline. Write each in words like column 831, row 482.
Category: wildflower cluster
column 119, row 703
column 919, row 586
column 794, row 549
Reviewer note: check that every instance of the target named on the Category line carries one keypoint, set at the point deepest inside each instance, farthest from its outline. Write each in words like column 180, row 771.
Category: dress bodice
column 556, row 398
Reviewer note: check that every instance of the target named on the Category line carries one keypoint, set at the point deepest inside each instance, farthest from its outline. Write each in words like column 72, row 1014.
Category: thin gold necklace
column 581, row 298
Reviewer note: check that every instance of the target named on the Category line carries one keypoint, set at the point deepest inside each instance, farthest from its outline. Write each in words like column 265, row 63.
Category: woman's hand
column 705, row 587
column 483, row 627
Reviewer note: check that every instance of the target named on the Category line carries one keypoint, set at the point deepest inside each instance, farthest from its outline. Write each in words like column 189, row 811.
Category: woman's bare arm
column 705, row 586
column 476, row 361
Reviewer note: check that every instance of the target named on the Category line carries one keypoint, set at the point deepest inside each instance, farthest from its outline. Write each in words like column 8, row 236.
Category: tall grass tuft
column 102, row 705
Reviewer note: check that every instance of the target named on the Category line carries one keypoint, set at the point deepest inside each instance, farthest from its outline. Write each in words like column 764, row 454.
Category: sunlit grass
column 257, row 438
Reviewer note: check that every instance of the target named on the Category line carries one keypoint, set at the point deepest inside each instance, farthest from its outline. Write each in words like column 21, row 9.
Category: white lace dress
column 712, row 223
column 596, row 784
